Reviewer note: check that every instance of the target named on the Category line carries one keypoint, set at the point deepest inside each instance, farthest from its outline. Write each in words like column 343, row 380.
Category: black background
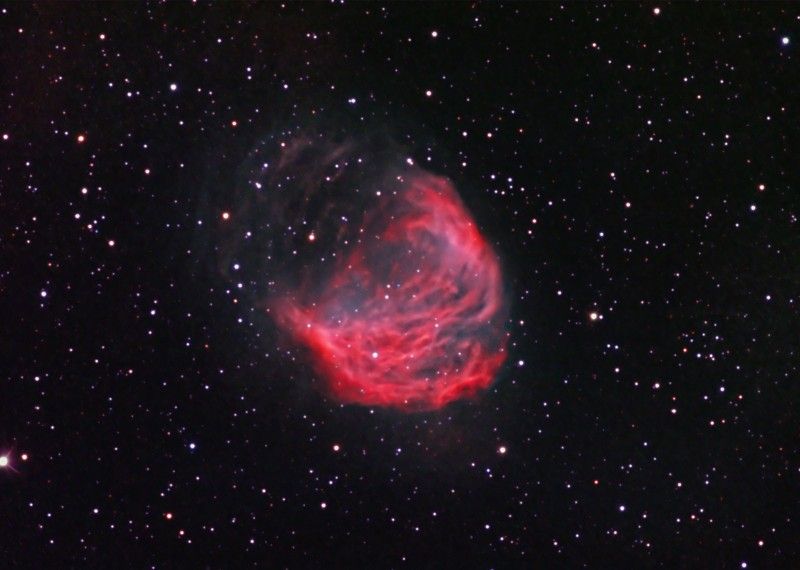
column 144, row 384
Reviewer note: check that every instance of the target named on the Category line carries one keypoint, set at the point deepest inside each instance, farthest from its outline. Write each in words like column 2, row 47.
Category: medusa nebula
column 397, row 299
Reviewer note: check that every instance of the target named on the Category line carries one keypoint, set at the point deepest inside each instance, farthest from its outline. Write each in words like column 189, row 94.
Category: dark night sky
column 632, row 165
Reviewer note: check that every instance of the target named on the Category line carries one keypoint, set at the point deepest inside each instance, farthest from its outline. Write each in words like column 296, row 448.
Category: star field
column 633, row 166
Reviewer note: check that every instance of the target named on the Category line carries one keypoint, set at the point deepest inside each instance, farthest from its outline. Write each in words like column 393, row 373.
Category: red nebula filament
column 412, row 315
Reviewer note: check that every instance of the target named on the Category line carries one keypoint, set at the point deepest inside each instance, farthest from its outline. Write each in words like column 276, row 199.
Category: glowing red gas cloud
column 412, row 314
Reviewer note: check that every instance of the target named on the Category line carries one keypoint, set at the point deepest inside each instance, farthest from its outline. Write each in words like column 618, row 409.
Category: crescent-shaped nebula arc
column 407, row 308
